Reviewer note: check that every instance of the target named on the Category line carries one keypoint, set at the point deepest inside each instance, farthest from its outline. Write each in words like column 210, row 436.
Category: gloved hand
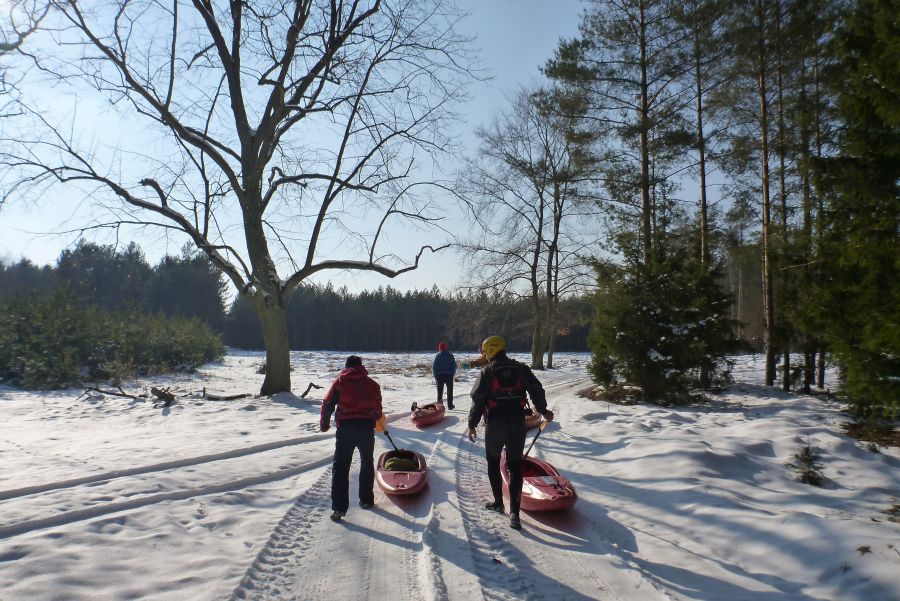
column 472, row 434
column 324, row 426
column 548, row 415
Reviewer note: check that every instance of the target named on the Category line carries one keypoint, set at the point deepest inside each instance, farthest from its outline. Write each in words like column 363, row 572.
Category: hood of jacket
column 354, row 373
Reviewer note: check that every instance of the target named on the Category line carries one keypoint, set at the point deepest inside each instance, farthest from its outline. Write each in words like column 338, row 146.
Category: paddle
column 391, row 439
column 540, row 429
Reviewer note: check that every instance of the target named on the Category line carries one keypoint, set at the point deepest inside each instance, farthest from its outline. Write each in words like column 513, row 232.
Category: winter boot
column 514, row 522
column 494, row 506
column 336, row 516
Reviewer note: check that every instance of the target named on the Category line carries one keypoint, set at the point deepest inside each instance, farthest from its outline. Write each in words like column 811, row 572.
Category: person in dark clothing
column 356, row 399
column 500, row 394
column 443, row 368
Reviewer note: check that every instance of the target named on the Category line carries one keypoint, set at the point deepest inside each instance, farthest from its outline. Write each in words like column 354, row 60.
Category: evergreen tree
column 626, row 64
column 861, row 250
column 640, row 65
column 105, row 277
column 26, row 277
column 663, row 330
column 188, row 286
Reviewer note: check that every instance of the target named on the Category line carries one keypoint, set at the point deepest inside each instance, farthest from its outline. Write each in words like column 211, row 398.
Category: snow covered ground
column 109, row 498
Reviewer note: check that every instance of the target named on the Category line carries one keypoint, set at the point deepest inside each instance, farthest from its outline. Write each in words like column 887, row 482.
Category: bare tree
column 280, row 136
column 19, row 19
column 523, row 192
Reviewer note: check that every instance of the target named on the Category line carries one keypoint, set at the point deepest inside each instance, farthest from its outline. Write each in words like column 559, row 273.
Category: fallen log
column 120, row 392
column 225, row 397
column 308, row 388
column 164, row 395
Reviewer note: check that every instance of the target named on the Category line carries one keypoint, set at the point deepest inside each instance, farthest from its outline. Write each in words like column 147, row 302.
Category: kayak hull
column 532, row 419
column 401, row 482
column 428, row 415
column 543, row 487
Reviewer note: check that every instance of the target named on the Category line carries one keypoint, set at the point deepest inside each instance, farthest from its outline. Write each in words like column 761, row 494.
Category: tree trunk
column 550, row 348
column 552, row 310
column 782, row 194
column 267, row 298
column 768, row 292
column 808, row 343
column 820, row 369
column 646, row 223
column 704, row 210
column 701, row 152
column 537, row 338
column 273, row 321
column 809, row 359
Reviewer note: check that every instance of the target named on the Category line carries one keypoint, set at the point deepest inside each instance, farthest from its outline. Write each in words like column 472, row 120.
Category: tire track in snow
column 23, row 527
column 295, row 562
column 178, row 463
column 159, row 467
column 496, row 560
column 272, row 574
column 439, row 542
column 535, row 562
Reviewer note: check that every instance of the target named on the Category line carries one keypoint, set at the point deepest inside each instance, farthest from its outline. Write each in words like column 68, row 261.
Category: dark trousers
column 505, row 431
column 353, row 434
column 443, row 379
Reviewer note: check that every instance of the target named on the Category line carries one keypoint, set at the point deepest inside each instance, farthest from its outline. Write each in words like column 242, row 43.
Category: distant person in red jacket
column 357, row 399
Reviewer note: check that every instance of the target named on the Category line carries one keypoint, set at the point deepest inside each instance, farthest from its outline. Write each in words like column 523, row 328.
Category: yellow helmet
column 493, row 345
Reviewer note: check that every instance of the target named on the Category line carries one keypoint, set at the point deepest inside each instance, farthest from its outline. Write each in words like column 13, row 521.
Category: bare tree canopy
column 529, row 192
column 283, row 138
column 18, row 20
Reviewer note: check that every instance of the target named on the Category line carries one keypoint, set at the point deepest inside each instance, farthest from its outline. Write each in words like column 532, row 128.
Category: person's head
column 493, row 345
column 353, row 361
column 442, row 346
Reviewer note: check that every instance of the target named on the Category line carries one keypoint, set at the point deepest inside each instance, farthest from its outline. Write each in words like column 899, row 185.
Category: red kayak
column 401, row 472
column 427, row 414
column 543, row 488
column 532, row 418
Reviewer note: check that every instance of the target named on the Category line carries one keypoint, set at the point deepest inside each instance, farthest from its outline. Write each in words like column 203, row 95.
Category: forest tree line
column 319, row 317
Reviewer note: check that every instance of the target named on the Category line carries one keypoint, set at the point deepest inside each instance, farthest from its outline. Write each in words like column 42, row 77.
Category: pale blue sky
column 515, row 37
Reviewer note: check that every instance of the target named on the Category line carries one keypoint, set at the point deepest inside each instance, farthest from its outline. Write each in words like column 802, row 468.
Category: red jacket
column 354, row 395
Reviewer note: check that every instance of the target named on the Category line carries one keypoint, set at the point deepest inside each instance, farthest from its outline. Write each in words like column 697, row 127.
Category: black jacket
column 481, row 390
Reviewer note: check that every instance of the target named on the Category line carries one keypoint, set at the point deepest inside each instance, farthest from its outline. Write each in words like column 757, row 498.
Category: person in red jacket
column 355, row 398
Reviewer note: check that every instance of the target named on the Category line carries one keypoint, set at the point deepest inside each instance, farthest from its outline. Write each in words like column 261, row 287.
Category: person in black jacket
column 499, row 394
column 443, row 368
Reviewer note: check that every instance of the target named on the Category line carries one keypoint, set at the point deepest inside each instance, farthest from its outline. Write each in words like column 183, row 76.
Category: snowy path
column 565, row 555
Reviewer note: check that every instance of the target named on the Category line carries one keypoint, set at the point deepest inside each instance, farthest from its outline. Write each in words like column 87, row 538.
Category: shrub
column 52, row 341
column 806, row 463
